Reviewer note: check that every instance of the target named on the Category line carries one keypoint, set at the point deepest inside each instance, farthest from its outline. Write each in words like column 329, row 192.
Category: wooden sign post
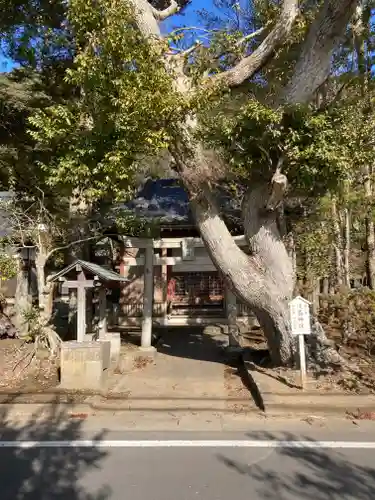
column 299, row 309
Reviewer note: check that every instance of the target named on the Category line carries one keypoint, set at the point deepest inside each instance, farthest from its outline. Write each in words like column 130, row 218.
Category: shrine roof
column 167, row 200
column 101, row 272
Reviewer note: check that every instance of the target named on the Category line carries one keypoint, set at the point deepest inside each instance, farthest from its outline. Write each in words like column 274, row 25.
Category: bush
column 351, row 315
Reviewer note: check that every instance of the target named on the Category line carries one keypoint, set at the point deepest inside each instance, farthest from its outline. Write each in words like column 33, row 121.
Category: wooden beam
column 186, row 321
column 173, row 242
column 78, row 284
column 168, row 261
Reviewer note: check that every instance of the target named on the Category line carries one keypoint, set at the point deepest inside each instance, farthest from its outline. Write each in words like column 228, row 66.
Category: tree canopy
column 274, row 95
column 120, row 105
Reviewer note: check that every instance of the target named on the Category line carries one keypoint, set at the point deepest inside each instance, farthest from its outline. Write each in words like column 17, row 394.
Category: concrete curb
column 171, row 406
column 348, row 407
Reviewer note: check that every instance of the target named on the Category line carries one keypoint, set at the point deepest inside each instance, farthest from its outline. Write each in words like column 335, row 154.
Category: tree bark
column 370, row 231
column 45, row 289
column 347, row 248
column 248, row 279
column 314, row 64
column 265, row 279
column 22, row 298
column 258, row 280
column 367, row 171
column 265, row 241
column 337, row 245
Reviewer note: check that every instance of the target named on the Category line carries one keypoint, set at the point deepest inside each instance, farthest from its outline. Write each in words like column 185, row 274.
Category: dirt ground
column 18, row 372
column 356, row 353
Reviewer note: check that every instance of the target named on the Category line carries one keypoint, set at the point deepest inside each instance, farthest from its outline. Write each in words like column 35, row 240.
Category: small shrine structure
column 81, row 276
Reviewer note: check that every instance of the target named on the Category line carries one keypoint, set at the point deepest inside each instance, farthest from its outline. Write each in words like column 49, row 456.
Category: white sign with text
column 300, row 316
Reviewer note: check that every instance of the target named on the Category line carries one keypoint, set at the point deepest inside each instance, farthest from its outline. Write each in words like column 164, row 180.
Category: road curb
column 275, row 409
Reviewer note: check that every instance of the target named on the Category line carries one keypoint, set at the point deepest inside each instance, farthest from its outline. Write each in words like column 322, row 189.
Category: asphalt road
column 251, row 466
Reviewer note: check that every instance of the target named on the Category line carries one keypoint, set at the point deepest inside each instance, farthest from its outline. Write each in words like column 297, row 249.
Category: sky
column 188, row 18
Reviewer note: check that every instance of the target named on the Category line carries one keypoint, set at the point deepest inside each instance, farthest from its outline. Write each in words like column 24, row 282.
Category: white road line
column 188, row 444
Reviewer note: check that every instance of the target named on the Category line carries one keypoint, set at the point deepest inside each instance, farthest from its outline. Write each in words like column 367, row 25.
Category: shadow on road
column 46, row 473
column 309, row 474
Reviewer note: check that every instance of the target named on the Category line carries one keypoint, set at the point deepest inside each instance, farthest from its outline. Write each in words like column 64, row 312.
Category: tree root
column 45, row 339
column 29, row 355
column 322, row 352
column 48, row 339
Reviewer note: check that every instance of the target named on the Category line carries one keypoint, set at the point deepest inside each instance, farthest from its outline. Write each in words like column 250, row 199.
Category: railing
column 135, row 310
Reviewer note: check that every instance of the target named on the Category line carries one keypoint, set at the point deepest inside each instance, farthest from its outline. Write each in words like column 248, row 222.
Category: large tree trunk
column 249, row 280
column 23, row 300
column 45, row 290
column 264, row 280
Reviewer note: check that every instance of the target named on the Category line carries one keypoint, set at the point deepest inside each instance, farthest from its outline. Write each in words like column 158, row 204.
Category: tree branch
column 77, row 242
column 279, row 185
column 337, row 95
column 314, row 63
column 192, row 28
column 250, row 36
column 239, row 42
column 190, row 50
column 160, row 15
column 248, row 66
column 145, row 19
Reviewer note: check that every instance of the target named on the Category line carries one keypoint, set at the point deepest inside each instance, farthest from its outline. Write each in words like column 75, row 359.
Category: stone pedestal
column 114, row 341
column 106, row 353
column 83, row 365
column 129, row 357
column 147, row 352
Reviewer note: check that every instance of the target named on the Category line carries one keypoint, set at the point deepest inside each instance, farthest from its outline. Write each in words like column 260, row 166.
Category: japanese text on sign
column 300, row 316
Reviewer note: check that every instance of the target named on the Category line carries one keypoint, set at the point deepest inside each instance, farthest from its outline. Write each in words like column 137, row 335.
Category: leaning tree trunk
column 261, row 210
column 249, row 279
column 46, row 336
column 264, row 280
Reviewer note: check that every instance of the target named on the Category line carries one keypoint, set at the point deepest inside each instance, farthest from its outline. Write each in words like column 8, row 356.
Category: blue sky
column 5, row 64
column 188, row 18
